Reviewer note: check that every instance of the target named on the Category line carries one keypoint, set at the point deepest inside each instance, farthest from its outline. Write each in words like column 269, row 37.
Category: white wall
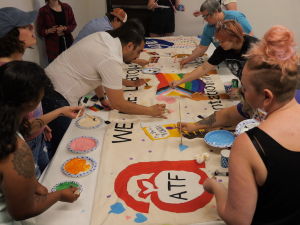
column 262, row 14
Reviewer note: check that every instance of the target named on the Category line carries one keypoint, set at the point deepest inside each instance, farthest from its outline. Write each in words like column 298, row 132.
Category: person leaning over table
column 56, row 23
column 263, row 161
column 22, row 86
column 225, row 5
column 212, row 13
column 93, row 63
column 234, row 43
column 163, row 19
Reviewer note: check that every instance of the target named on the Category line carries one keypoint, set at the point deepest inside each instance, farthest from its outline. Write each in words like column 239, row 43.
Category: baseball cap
column 120, row 14
column 11, row 17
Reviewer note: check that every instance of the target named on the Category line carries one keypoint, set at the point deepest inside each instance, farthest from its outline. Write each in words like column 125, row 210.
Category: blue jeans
column 58, row 126
column 40, row 155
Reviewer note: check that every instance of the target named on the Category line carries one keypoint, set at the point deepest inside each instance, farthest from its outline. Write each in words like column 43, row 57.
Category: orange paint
column 147, row 80
column 148, row 87
column 75, row 166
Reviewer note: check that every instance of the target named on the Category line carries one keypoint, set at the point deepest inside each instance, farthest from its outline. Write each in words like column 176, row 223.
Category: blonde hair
column 273, row 63
column 229, row 30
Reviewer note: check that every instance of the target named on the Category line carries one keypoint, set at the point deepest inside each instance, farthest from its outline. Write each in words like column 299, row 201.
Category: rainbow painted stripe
column 96, row 108
column 186, row 88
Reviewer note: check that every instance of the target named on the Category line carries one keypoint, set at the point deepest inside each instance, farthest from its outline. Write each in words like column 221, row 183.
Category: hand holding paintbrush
column 85, row 100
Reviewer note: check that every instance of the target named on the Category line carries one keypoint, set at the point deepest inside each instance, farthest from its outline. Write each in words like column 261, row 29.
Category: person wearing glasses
column 234, row 43
column 212, row 14
column 225, row 5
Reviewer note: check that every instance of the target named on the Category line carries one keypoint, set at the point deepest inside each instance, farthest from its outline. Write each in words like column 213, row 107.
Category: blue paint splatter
column 140, row 218
column 83, row 211
column 117, row 208
column 183, row 147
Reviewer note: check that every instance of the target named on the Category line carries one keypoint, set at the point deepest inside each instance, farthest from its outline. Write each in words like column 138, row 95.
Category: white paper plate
column 219, row 138
column 86, row 151
column 89, row 128
column 89, row 160
column 80, row 188
column 246, row 125
column 151, row 70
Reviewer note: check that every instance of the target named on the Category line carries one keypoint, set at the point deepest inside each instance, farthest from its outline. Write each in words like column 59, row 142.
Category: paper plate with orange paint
column 79, row 166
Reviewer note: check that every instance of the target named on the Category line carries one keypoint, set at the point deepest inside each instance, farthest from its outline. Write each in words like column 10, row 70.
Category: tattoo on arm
column 38, row 122
column 39, row 198
column 209, row 121
column 23, row 161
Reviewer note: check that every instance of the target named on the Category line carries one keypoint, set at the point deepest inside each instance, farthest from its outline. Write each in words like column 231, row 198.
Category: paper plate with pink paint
column 83, row 144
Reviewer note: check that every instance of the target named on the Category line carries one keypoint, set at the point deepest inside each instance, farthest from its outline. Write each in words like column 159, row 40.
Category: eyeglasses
column 205, row 16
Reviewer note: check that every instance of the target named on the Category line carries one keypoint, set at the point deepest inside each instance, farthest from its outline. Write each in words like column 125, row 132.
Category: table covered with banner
column 144, row 173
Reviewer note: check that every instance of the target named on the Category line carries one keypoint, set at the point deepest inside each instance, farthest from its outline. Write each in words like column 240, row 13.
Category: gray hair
column 211, row 6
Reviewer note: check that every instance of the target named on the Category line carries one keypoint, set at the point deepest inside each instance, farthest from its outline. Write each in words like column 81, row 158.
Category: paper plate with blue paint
column 219, row 138
column 246, row 125
column 151, row 70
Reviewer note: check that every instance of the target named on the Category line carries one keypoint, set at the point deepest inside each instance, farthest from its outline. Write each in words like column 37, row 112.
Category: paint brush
column 85, row 100
column 180, row 124
column 217, row 172
column 94, row 118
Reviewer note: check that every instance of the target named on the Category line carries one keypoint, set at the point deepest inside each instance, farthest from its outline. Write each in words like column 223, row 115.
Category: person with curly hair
column 56, row 22
column 16, row 35
column 22, row 86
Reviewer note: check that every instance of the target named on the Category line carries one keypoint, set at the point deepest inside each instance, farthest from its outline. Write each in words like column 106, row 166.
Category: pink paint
column 83, row 144
column 128, row 217
column 171, row 110
column 168, row 100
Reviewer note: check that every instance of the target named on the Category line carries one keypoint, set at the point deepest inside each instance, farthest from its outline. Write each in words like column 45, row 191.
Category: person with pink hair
column 263, row 161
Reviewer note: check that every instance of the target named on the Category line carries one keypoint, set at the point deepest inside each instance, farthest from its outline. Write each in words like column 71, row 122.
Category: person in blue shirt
column 110, row 21
column 212, row 14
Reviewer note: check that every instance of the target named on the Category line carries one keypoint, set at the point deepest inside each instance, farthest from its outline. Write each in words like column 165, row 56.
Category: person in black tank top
column 163, row 18
column 264, row 162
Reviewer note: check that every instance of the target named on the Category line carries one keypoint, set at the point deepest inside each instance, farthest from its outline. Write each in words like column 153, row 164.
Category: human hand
column 187, row 127
column 142, row 62
column 154, row 6
column 208, row 185
column 60, row 30
column 71, row 112
column 184, row 61
column 173, row 84
column 106, row 105
column 183, row 8
column 68, row 195
column 138, row 83
column 40, row 189
column 233, row 92
column 47, row 133
column 197, row 13
column 158, row 110
column 52, row 29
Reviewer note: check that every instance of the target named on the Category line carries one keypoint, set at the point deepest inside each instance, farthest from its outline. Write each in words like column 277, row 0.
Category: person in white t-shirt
column 225, row 5
column 94, row 63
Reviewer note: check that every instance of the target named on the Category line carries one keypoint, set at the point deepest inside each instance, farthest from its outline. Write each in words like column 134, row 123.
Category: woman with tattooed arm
column 22, row 86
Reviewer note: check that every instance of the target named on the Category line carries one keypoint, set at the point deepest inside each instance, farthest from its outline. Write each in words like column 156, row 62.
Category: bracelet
column 102, row 98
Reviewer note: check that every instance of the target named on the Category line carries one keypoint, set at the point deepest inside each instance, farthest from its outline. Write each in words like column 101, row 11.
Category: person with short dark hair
column 22, row 86
column 56, row 23
column 212, row 13
column 91, row 64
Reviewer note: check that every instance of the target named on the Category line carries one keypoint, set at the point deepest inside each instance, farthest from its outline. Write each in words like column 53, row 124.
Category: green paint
column 66, row 185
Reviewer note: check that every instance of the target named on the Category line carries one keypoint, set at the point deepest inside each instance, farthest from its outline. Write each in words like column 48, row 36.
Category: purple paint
column 211, row 150
column 188, row 113
column 169, row 128
column 220, row 180
column 131, row 158
column 150, row 151
column 143, row 139
column 108, row 196
column 185, row 107
column 205, row 108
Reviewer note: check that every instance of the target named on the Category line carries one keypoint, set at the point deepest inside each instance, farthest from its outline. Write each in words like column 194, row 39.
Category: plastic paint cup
column 225, row 158
column 180, row 7
column 228, row 86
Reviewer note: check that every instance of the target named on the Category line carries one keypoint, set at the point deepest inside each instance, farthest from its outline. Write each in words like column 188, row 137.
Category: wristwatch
column 102, row 98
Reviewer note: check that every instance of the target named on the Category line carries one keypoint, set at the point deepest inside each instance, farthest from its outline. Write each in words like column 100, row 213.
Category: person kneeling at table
column 264, row 160
column 22, row 86
column 234, row 43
